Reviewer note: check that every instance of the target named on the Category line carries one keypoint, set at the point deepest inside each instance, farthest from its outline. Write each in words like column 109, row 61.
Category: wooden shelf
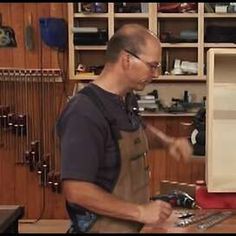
column 131, row 15
column 179, row 45
column 161, row 78
column 85, row 77
column 220, row 15
column 177, row 15
column 91, row 15
column 177, row 78
column 219, row 45
column 90, row 47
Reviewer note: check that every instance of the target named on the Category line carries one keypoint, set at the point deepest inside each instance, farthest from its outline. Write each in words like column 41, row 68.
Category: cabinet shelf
column 179, row 45
column 91, row 15
column 220, row 45
column 177, row 15
column 90, row 47
column 161, row 78
column 220, row 15
column 131, row 15
column 180, row 78
column 84, row 77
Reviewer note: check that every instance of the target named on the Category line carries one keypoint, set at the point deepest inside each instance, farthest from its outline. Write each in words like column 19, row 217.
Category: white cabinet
column 221, row 120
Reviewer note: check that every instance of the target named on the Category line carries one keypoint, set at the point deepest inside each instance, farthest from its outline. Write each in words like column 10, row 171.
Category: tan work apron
column 132, row 184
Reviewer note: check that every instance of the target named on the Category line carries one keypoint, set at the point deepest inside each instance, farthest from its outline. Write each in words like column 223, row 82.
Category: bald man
column 104, row 144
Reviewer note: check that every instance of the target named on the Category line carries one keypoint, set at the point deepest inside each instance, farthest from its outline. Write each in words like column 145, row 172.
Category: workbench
column 169, row 226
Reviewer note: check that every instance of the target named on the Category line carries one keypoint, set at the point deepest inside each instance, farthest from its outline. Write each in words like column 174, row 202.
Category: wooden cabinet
column 221, row 120
column 93, row 55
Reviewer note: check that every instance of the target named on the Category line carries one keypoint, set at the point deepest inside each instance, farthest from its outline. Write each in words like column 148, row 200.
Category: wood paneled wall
column 20, row 186
column 16, row 15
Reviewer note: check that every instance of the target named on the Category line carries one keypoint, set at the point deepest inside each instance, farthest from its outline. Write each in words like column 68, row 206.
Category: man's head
column 137, row 51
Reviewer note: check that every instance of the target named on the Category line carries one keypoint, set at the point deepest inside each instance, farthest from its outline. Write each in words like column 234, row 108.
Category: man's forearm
column 97, row 200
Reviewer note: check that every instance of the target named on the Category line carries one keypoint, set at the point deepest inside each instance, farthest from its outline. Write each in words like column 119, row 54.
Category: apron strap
column 88, row 91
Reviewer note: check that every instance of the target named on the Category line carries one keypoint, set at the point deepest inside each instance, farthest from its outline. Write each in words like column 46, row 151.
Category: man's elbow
column 70, row 191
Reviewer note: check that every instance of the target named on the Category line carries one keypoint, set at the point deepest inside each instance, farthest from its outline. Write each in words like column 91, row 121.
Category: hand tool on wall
column 29, row 34
column 7, row 35
column 27, row 110
column 3, row 110
column 50, row 178
column 8, row 102
column 28, row 107
column 15, row 130
column 42, row 169
column 21, row 118
column 45, row 167
column 34, row 154
column 20, row 135
column 56, row 187
column 54, row 173
column 45, row 135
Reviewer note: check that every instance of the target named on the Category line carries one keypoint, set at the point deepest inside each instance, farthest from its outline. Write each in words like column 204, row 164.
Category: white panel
column 223, row 183
column 224, row 98
column 224, row 147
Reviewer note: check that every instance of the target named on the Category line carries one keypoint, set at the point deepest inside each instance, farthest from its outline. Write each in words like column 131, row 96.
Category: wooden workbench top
column 226, row 226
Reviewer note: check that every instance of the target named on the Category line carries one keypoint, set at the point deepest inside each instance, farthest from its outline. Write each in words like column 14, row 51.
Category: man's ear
column 125, row 60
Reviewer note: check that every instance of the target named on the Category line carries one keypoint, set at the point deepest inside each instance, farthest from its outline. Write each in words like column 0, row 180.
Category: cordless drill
column 177, row 199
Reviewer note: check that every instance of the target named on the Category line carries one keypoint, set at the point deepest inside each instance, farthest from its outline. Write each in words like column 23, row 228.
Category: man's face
column 144, row 67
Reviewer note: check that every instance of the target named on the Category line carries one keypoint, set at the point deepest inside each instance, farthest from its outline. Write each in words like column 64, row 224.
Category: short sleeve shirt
column 88, row 151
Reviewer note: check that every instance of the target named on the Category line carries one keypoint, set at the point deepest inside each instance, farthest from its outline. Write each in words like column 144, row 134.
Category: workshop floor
column 44, row 226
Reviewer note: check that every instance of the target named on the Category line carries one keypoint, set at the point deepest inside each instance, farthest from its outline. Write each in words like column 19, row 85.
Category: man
column 103, row 145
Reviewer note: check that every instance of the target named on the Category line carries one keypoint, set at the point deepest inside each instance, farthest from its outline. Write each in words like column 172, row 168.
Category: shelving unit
column 157, row 22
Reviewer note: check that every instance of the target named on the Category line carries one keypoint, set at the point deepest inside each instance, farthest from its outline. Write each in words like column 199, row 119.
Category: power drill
column 177, row 199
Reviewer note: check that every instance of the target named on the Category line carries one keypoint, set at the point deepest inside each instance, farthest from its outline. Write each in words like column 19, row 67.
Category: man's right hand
column 155, row 212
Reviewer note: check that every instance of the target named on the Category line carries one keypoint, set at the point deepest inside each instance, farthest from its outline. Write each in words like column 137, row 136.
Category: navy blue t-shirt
column 88, row 151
